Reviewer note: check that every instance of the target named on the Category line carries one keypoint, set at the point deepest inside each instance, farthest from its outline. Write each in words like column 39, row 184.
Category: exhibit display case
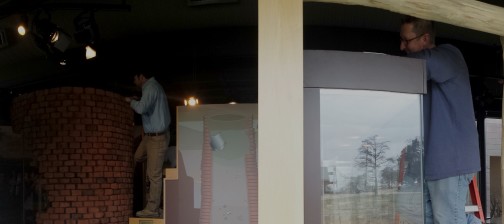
column 363, row 138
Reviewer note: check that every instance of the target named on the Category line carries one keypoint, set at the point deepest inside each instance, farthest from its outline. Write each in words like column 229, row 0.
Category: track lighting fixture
column 50, row 35
column 86, row 29
column 54, row 41
column 86, row 32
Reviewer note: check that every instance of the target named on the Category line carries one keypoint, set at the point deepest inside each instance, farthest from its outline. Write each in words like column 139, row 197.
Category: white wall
column 493, row 130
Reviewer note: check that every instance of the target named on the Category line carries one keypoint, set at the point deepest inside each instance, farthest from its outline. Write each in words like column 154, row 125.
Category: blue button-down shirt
column 153, row 106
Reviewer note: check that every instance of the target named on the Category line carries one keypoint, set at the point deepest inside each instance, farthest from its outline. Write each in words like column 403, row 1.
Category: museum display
column 363, row 138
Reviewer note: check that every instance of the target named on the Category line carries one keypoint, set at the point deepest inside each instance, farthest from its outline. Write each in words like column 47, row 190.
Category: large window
column 371, row 149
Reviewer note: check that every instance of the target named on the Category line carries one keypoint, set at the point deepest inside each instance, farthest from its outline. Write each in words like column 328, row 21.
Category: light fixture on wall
column 191, row 101
column 192, row 88
column 22, row 25
column 21, row 29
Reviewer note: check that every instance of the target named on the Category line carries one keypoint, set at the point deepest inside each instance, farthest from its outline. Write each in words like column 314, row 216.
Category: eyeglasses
column 407, row 41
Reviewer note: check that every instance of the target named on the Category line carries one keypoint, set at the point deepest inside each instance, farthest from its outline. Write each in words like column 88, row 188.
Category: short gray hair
column 421, row 26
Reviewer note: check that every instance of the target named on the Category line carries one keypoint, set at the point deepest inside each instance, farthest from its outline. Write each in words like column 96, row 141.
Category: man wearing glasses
column 451, row 140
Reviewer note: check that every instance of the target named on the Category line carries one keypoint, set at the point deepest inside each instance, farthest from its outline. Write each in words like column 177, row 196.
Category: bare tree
column 372, row 155
column 389, row 173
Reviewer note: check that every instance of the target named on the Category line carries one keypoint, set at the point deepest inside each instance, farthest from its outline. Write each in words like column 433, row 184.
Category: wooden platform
column 171, row 173
column 135, row 220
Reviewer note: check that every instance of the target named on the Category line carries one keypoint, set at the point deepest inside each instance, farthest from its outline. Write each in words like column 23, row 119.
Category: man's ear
column 427, row 38
column 142, row 77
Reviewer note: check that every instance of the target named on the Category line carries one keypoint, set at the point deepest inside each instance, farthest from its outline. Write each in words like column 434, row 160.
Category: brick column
column 82, row 144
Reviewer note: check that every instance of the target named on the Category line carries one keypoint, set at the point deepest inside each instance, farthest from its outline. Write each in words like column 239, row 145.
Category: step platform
column 136, row 220
column 171, row 173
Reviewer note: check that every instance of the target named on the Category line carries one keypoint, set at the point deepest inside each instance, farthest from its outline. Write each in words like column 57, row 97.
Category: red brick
column 80, row 139
column 54, row 216
column 57, row 125
column 77, row 90
column 70, row 210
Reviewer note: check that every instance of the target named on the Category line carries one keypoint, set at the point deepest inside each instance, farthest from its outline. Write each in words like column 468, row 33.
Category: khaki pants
column 153, row 149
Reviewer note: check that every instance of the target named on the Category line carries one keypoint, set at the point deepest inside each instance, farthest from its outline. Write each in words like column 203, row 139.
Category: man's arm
column 145, row 103
column 442, row 62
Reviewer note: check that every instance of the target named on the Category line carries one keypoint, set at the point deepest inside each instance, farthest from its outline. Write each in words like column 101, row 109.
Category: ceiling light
column 22, row 27
column 90, row 52
column 21, row 30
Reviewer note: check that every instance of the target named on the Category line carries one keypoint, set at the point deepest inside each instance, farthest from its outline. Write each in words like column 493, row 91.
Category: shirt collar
column 148, row 82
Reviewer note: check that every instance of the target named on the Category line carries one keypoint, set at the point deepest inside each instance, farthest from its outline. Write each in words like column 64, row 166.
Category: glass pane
column 371, row 150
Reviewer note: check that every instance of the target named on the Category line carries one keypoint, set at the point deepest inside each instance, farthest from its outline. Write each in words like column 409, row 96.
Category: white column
column 280, row 142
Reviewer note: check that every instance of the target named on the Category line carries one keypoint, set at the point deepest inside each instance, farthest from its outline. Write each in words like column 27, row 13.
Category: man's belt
column 155, row 133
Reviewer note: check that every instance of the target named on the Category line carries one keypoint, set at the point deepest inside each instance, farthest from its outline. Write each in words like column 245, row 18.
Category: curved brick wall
column 82, row 143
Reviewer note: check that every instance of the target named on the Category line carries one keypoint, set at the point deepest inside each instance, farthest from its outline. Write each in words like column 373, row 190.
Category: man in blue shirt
column 153, row 106
column 451, row 140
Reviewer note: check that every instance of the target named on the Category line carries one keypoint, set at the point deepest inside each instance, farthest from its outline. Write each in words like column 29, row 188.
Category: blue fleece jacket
column 451, row 138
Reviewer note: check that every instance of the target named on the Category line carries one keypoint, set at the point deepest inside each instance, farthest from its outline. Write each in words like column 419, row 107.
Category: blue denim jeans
column 445, row 200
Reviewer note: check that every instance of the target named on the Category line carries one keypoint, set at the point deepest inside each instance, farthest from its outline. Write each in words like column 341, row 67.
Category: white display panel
column 217, row 182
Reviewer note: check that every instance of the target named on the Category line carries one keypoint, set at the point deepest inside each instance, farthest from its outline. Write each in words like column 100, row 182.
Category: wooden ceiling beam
column 470, row 14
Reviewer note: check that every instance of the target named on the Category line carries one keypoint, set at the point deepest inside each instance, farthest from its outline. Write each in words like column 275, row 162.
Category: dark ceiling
column 205, row 49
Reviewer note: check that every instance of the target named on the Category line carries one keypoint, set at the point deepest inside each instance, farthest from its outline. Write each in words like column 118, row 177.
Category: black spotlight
column 50, row 35
column 86, row 32
column 86, row 29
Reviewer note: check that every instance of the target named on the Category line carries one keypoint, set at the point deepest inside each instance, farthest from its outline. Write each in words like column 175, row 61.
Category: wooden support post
column 470, row 14
column 280, row 143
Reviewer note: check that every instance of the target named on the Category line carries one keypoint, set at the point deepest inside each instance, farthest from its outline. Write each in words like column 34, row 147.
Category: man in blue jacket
column 451, row 140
